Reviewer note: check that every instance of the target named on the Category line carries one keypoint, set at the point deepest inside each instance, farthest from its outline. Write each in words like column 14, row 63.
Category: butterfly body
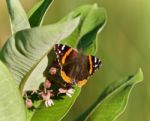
column 75, row 67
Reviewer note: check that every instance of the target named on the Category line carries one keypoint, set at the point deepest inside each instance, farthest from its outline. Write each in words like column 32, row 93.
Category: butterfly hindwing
column 77, row 67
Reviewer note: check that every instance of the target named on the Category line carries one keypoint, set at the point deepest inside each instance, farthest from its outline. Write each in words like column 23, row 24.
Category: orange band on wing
column 65, row 77
column 81, row 83
column 91, row 64
column 65, row 56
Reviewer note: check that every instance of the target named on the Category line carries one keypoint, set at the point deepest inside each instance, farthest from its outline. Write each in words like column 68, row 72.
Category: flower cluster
column 51, row 88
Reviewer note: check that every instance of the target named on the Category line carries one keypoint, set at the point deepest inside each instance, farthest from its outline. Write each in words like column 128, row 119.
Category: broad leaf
column 27, row 48
column 92, row 21
column 113, row 100
column 11, row 103
column 37, row 13
column 56, row 112
column 26, row 54
column 28, row 58
column 18, row 17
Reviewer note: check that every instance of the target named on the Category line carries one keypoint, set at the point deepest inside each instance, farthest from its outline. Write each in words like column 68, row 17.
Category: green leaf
column 37, row 13
column 56, row 112
column 113, row 100
column 27, row 49
column 92, row 22
column 18, row 17
column 11, row 103
column 27, row 55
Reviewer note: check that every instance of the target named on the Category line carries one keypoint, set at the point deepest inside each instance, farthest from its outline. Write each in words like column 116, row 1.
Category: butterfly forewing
column 95, row 63
column 61, row 50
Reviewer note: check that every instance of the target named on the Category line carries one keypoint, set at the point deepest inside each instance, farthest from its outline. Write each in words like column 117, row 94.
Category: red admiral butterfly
column 75, row 67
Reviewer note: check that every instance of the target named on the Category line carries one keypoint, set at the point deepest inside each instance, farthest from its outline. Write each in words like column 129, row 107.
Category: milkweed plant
column 31, row 86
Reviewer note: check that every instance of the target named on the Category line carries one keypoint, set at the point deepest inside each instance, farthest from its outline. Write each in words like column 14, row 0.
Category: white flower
column 61, row 90
column 49, row 103
column 46, row 98
column 68, row 92
column 71, row 91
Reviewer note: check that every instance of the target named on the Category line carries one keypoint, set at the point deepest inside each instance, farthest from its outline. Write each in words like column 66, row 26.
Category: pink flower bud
column 52, row 70
column 47, row 84
column 29, row 103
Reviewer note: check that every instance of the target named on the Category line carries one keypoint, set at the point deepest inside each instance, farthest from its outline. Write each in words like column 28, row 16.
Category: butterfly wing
column 88, row 69
column 66, row 56
column 94, row 64
column 75, row 67
column 62, row 52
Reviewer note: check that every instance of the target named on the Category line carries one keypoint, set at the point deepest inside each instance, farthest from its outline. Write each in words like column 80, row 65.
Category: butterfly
column 75, row 67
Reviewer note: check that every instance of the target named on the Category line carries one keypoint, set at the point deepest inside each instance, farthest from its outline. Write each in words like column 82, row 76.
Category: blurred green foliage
column 124, row 47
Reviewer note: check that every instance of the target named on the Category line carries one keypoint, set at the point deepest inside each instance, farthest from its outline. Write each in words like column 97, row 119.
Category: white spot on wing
column 59, row 51
column 96, row 65
column 95, row 59
column 63, row 47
